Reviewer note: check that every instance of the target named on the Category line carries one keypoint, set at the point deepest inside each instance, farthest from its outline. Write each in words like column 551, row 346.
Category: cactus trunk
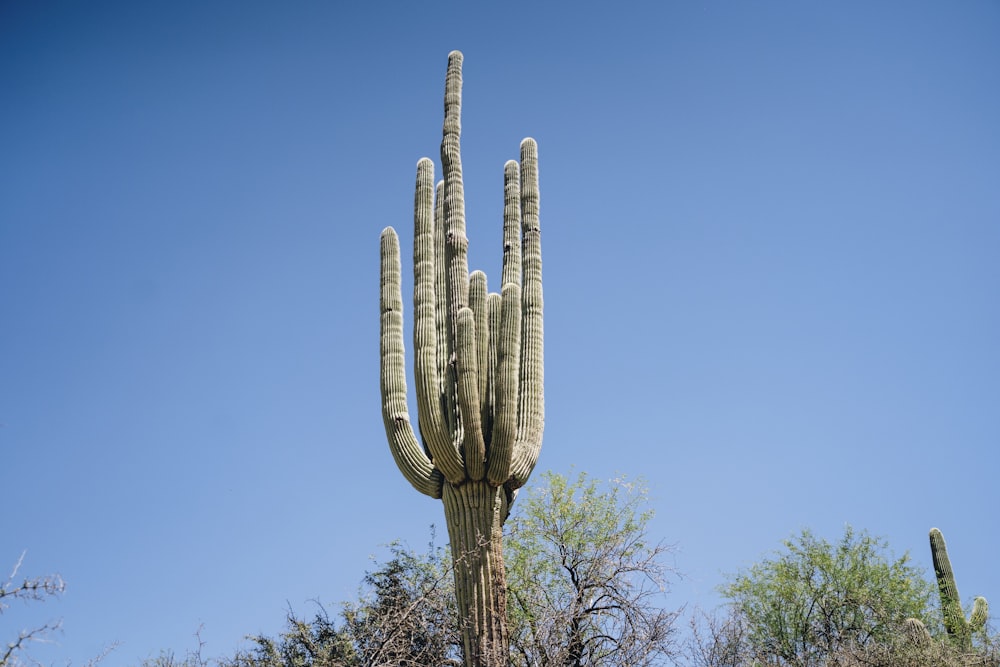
column 478, row 369
column 475, row 513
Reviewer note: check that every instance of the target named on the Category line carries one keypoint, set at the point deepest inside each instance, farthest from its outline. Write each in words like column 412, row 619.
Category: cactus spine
column 959, row 628
column 477, row 367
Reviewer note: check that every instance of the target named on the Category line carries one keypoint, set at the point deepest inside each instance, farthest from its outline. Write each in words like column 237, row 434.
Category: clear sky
column 770, row 231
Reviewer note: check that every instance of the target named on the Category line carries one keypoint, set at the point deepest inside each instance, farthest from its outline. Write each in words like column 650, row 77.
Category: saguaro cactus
column 959, row 628
column 478, row 370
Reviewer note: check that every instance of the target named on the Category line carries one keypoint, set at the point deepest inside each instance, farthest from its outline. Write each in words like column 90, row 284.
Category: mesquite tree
column 478, row 371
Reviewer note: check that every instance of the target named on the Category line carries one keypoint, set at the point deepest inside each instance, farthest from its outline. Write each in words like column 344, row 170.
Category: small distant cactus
column 959, row 628
column 916, row 632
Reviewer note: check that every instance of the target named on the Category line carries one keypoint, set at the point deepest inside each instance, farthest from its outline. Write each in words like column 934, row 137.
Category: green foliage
column 724, row 641
column 816, row 599
column 585, row 580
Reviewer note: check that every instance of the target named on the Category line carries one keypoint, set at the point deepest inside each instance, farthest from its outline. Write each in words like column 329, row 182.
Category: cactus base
column 475, row 512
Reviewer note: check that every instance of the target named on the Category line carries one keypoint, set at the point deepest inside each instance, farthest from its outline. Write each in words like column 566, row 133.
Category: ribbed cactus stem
column 476, row 514
column 531, row 407
column 916, row 632
column 431, row 384
column 959, row 628
column 406, row 451
column 478, row 368
column 434, row 428
column 468, row 398
column 980, row 613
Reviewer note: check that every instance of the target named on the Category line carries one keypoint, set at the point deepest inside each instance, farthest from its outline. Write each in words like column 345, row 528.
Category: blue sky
column 770, row 235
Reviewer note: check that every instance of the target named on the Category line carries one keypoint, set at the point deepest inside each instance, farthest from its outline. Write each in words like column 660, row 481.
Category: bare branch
column 27, row 590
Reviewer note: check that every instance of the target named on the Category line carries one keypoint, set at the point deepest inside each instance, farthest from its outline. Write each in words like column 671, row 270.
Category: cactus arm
column 531, row 410
column 511, row 224
column 433, row 426
column 506, row 385
column 440, row 287
column 409, row 456
column 532, row 407
column 456, row 246
column 951, row 603
column 980, row 612
column 445, row 345
column 473, row 444
column 508, row 333
column 958, row 627
column 464, row 356
column 493, row 306
column 456, row 242
column 477, row 301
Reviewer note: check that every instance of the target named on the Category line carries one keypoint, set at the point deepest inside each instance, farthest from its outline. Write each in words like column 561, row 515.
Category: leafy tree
column 723, row 641
column 815, row 600
column 585, row 581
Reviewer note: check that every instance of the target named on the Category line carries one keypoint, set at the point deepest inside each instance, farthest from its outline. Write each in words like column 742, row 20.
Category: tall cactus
column 478, row 371
column 959, row 628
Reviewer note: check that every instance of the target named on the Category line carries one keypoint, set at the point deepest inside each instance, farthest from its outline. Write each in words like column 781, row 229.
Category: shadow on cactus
column 477, row 367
